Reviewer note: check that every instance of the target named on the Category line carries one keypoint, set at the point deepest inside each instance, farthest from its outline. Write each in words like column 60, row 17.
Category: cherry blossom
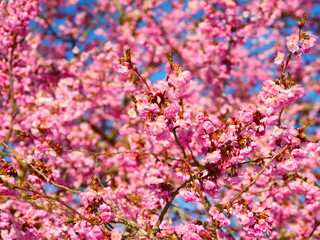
column 159, row 119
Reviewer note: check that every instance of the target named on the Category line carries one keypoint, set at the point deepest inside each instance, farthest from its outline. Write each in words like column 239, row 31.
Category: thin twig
column 259, row 174
column 155, row 228
column 179, row 144
column 317, row 224
column 12, row 100
column 36, row 170
column 203, row 198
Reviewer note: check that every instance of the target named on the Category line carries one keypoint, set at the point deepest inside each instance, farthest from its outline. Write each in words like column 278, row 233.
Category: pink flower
column 181, row 229
column 157, row 127
column 308, row 42
column 188, row 196
column 207, row 184
column 292, row 42
column 205, row 26
column 313, row 147
column 304, row 44
column 115, row 234
column 8, row 192
column 223, row 220
column 132, row 113
column 191, row 236
column 186, row 75
column 107, row 216
column 87, row 197
column 122, row 70
column 185, row 136
column 207, row 125
column 297, row 91
column 290, row 165
column 219, row 216
column 279, row 59
column 182, row 79
column 298, row 153
column 95, row 234
column 171, row 110
column 247, row 113
column 213, row 211
column 213, row 157
column 246, row 219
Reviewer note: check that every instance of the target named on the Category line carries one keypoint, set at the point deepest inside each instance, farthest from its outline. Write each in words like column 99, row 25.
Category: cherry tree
column 159, row 119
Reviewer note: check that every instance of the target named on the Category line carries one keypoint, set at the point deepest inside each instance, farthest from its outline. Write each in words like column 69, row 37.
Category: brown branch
column 259, row 174
column 11, row 99
column 155, row 228
column 203, row 198
column 317, row 224
column 36, row 170
column 100, row 131
column 57, row 199
column 179, row 144
column 135, row 69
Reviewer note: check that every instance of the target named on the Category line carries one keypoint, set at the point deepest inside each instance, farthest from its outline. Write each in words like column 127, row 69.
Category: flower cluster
column 159, row 120
column 301, row 43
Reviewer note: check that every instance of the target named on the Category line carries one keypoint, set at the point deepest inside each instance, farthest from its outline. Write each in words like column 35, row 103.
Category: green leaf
column 305, row 36
column 38, row 225
column 128, row 52
column 133, row 98
column 306, row 123
column 219, row 206
column 18, row 132
column 171, row 85
column 30, row 197
column 289, row 76
column 70, row 221
column 170, row 59
column 304, row 18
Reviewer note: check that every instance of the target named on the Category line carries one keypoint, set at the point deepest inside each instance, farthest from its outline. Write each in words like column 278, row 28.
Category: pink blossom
column 95, row 234
column 157, row 127
column 305, row 42
column 187, row 76
column 207, row 125
column 115, row 160
column 223, row 220
column 115, row 234
column 106, row 215
column 219, row 216
column 289, row 165
column 308, row 42
column 171, row 110
column 8, row 192
column 293, row 42
column 87, row 196
column 246, row 219
column 213, row 157
column 298, row 91
column 188, row 196
column 298, row 153
column 132, row 113
column 191, row 236
column 182, row 79
column 207, row 184
column 279, row 59
column 205, row 26
column 247, row 113
column 185, row 136
column 181, row 229
column 122, row 70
